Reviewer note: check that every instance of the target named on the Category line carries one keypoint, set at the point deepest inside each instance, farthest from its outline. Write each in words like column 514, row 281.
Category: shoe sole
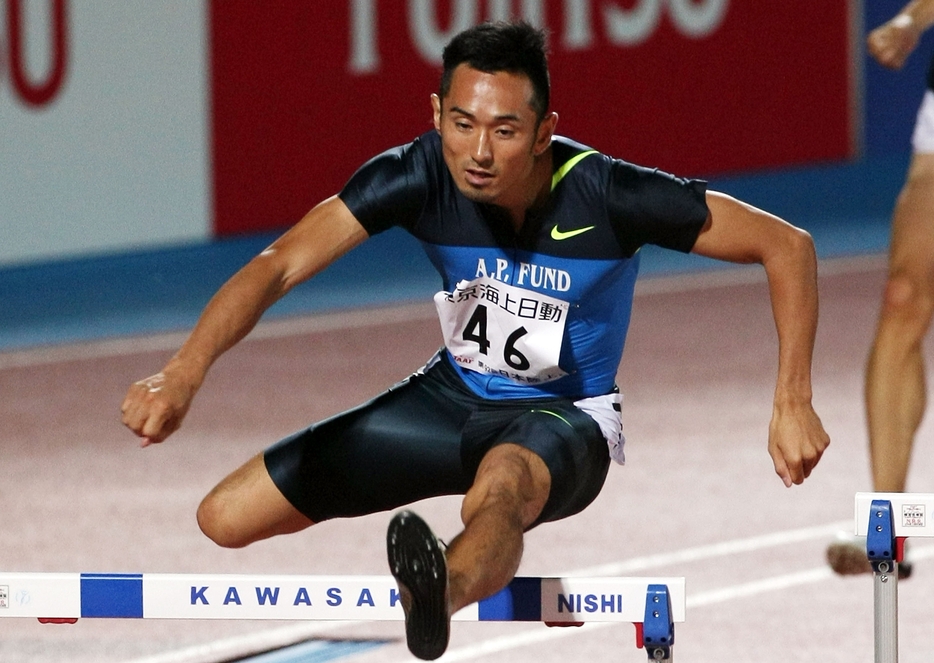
column 418, row 565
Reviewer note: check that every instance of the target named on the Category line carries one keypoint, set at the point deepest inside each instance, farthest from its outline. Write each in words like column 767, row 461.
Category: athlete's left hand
column 797, row 441
column 892, row 42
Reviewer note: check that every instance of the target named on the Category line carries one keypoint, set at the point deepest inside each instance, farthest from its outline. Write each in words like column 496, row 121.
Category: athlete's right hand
column 154, row 407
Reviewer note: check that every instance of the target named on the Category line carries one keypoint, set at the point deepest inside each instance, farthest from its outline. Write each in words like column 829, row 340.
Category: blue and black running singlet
column 543, row 312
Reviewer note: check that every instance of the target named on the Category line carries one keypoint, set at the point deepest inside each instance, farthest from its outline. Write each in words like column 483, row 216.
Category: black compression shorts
column 425, row 437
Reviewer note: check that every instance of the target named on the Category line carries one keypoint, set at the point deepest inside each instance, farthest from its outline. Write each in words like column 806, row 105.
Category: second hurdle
column 887, row 520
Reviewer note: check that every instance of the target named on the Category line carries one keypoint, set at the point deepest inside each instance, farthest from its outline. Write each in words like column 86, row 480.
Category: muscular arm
column 154, row 407
column 892, row 42
column 738, row 232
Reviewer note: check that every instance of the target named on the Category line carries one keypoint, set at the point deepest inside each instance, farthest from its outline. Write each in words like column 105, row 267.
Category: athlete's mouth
column 477, row 177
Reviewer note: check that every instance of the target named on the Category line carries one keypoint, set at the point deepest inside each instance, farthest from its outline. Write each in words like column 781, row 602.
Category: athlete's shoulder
column 570, row 146
column 588, row 167
column 427, row 145
column 585, row 161
column 565, row 149
column 430, row 142
column 392, row 188
column 422, row 151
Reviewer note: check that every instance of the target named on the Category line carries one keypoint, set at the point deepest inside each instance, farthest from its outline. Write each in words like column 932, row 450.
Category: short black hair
column 496, row 46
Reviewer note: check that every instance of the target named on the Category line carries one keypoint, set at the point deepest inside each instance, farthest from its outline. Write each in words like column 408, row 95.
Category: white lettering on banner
column 578, row 32
column 423, row 25
column 628, row 27
column 26, row 90
column 364, row 57
column 697, row 19
column 624, row 27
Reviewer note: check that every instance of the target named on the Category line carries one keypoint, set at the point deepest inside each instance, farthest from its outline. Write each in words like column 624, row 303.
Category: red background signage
column 303, row 93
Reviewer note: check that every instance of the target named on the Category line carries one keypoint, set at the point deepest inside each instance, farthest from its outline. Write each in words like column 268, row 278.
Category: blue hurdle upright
column 887, row 520
column 654, row 605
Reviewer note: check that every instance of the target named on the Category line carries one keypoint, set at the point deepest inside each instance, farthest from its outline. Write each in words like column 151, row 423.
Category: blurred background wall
column 129, row 127
column 129, row 123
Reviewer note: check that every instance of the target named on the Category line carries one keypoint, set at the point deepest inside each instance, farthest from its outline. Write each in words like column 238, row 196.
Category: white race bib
column 495, row 328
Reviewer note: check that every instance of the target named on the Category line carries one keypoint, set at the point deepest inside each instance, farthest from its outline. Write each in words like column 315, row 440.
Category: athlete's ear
column 436, row 110
column 546, row 130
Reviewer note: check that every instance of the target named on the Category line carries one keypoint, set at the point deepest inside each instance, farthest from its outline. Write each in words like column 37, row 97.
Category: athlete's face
column 491, row 136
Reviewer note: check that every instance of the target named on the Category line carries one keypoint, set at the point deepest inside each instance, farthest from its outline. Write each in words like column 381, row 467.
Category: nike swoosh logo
column 558, row 235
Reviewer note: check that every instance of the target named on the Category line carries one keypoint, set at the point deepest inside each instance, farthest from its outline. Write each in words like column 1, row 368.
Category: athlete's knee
column 898, row 292
column 217, row 522
column 247, row 506
column 908, row 297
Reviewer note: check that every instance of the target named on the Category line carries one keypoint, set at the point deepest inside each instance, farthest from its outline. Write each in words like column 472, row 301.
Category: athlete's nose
column 482, row 151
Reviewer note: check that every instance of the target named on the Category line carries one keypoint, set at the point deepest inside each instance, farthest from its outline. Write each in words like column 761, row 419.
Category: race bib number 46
column 495, row 328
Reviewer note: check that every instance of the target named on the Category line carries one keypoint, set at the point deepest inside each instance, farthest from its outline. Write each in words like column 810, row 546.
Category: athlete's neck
column 536, row 193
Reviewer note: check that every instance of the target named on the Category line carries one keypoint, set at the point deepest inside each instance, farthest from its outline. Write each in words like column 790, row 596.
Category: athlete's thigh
column 912, row 246
column 911, row 250
column 568, row 441
column 510, row 476
column 403, row 446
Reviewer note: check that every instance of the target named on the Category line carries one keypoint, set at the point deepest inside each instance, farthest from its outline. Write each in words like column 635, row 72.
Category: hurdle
column 887, row 520
column 653, row 605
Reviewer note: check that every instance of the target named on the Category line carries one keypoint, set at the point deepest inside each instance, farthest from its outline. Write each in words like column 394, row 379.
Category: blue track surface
column 845, row 207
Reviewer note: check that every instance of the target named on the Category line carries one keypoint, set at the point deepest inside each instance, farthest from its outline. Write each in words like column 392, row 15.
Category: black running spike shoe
column 417, row 562
column 847, row 556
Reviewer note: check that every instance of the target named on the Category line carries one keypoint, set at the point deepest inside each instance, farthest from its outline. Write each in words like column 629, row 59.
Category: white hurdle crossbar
column 887, row 519
column 652, row 604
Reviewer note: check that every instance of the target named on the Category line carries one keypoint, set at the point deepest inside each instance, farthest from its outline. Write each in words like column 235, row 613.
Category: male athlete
column 536, row 238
